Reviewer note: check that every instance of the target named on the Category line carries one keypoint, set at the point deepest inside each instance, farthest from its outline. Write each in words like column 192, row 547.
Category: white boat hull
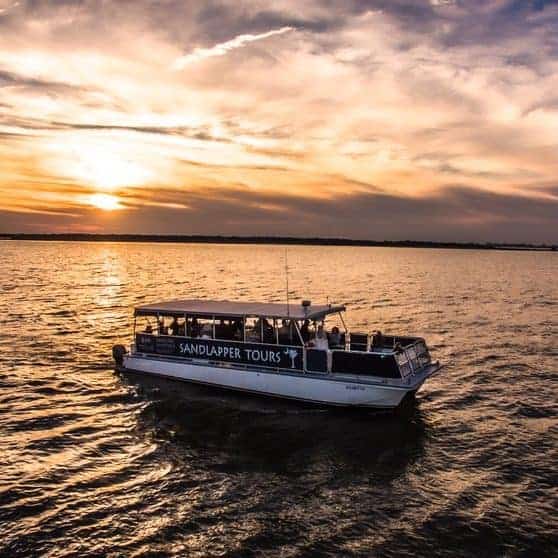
column 328, row 390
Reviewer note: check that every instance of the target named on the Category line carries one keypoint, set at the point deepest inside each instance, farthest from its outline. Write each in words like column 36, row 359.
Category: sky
column 369, row 119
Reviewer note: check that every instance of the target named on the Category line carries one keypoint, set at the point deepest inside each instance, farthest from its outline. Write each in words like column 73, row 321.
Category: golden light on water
column 105, row 202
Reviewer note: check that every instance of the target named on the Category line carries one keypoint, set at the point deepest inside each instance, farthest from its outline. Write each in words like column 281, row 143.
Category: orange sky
column 419, row 119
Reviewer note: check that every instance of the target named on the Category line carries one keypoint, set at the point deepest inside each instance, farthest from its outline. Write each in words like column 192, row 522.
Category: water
column 93, row 463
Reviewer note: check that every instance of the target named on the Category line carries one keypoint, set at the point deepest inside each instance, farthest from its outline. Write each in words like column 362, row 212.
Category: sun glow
column 105, row 202
column 108, row 166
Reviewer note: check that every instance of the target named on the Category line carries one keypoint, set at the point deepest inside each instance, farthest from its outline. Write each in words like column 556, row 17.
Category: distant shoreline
column 274, row 240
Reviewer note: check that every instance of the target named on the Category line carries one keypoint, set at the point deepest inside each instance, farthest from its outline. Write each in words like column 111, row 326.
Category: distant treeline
column 202, row 239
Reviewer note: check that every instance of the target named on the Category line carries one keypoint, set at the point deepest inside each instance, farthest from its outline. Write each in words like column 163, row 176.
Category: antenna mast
column 287, row 281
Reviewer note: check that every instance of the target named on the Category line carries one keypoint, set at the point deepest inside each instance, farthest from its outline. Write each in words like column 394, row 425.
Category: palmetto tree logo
column 292, row 354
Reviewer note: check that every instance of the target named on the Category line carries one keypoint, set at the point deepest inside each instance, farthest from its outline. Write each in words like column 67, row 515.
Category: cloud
column 458, row 213
column 8, row 8
column 373, row 108
column 11, row 79
column 222, row 48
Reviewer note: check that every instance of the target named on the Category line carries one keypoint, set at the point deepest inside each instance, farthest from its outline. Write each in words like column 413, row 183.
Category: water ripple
column 96, row 464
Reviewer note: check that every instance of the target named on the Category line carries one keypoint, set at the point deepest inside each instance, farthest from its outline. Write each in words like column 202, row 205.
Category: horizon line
column 276, row 240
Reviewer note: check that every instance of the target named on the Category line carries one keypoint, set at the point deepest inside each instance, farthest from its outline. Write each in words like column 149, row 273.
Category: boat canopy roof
column 225, row 308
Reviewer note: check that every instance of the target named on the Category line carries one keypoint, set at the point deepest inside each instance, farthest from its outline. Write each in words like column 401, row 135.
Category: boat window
column 161, row 325
column 288, row 334
column 146, row 324
column 230, row 329
column 260, row 330
column 172, row 325
column 199, row 327
column 253, row 330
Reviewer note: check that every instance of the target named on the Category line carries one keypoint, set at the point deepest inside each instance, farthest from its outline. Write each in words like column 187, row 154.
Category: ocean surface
column 93, row 463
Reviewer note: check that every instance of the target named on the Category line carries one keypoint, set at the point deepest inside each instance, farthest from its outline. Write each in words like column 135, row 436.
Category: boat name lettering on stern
column 233, row 353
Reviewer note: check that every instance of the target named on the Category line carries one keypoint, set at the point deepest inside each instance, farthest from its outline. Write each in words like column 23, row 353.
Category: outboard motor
column 118, row 352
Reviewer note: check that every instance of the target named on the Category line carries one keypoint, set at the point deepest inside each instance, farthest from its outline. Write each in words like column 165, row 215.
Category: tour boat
column 278, row 350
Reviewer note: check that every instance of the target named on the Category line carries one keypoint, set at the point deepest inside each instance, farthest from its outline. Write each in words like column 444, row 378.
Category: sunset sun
column 105, row 202
column 104, row 165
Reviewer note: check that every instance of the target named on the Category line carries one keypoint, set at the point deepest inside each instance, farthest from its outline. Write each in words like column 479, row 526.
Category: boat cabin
column 292, row 338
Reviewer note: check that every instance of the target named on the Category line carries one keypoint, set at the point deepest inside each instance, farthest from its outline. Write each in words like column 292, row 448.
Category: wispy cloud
column 365, row 123
column 222, row 48
column 8, row 8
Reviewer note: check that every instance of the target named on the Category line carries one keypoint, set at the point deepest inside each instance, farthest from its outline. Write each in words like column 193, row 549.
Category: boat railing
column 410, row 353
column 413, row 358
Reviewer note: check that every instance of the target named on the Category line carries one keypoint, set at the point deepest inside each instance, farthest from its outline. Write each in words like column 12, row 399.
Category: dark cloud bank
column 458, row 214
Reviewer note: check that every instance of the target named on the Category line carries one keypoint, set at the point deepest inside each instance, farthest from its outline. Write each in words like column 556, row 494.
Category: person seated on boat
column 268, row 332
column 148, row 329
column 221, row 329
column 256, row 334
column 163, row 329
column 182, row 329
column 174, row 327
column 195, row 328
column 320, row 342
column 253, row 332
column 377, row 340
column 206, row 332
column 305, row 331
column 335, row 338
column 285, row 331
column 224, row 330
column 237, row 330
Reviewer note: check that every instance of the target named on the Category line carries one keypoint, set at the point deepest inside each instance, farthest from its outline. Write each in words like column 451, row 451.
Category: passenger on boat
column 320, row 341
column 148, row 329
column 163, row 329
column 258, row 326
column 206, row 332
column 285, row 332
column 174, row 326
column 288, row 333
column 268, row 332
column 195, row 328
column 222, row 330
column 377, row 339
column 237, row 330
column 253, row 332
column 335, row 338
column 305, row 331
